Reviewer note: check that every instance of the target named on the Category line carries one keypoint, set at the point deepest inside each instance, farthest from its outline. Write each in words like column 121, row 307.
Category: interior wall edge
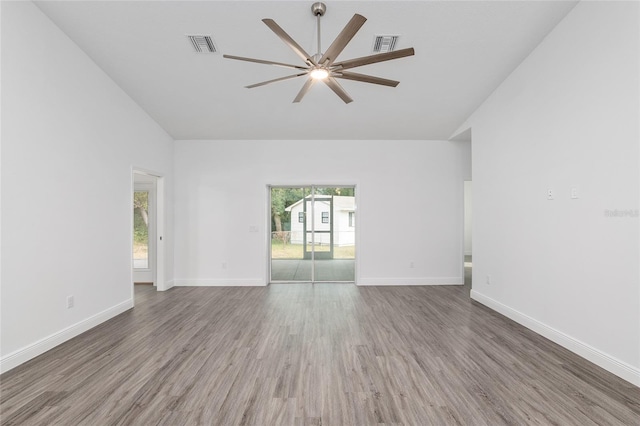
column 168, row 285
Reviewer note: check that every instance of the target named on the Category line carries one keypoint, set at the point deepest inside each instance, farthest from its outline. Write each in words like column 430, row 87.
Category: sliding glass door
column 312, row 234
column 288, row 219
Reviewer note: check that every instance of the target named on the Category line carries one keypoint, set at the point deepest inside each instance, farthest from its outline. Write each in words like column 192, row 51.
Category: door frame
column 159, row 260
column 356, row 190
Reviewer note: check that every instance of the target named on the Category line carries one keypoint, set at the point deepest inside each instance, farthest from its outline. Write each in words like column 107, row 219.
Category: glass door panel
column 141, row 230
column 144, row 228
column 335, row 235
column 288, row 220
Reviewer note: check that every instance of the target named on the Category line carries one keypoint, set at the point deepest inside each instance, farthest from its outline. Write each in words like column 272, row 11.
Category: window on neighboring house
column 325, row 217
column 352, row 219
column 300, row 217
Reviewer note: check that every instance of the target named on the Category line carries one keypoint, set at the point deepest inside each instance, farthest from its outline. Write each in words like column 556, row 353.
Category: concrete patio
column 332, row 270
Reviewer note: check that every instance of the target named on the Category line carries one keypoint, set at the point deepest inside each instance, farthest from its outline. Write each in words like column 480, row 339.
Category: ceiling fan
column 323, row 66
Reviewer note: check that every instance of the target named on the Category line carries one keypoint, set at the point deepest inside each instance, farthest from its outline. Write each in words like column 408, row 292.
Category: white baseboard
column 249, row 282
column 31, row 351
column 411, row 281
column 602, row 359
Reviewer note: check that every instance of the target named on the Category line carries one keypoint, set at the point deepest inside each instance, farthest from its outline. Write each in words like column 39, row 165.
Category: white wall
column 70, row 137
column 567, row 117
column 409, row 197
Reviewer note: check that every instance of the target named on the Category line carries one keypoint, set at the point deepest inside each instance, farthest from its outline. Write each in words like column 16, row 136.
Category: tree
column 141, row 216
column 344, row 192
column 281, row 198
column 141, row 203
column 277, row 207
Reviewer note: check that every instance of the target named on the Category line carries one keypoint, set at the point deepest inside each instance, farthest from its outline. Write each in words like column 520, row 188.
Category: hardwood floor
column 323, row 354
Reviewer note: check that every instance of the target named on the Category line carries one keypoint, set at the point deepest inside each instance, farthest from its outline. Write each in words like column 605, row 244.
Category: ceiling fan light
column 319, row 74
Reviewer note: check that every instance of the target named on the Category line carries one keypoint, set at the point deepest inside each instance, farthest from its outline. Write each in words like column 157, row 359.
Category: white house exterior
column 343, row 218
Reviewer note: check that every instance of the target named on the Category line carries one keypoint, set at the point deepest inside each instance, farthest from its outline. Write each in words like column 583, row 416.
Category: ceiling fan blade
column 260, row 61
column 365, row 78
column 304, row 90
column 289, row 41
column 338, row 90
column 343, row 39
column 275, row 80
column 372, row 59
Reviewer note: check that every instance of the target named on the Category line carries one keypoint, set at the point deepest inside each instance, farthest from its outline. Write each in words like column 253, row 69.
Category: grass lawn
column 294, row 251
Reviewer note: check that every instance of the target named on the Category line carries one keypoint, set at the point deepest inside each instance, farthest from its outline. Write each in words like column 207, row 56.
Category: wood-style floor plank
column 302, row 354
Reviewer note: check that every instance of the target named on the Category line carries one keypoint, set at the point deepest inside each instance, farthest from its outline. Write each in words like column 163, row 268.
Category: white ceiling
column 464, row 50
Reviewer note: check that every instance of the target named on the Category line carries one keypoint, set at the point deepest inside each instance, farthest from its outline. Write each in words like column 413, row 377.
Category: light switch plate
column 574, row 193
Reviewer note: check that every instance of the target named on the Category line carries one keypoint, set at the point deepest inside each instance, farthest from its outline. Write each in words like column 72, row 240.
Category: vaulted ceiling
column 464, row 50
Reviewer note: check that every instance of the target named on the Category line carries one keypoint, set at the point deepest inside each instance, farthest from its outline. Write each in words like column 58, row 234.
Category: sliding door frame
column 312, row 187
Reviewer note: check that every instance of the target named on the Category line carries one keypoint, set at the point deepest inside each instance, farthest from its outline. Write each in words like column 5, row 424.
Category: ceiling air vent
column 384, row 43
column 202, row 43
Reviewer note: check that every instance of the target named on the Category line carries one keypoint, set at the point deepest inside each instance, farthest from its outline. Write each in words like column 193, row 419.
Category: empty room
column 320, row 213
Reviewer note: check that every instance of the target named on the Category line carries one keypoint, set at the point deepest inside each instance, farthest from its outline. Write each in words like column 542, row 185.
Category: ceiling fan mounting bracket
column 318, row 9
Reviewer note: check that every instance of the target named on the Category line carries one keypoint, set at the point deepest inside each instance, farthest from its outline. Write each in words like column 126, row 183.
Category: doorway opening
column 147, row 228
column 312, row 233
column 144, row 221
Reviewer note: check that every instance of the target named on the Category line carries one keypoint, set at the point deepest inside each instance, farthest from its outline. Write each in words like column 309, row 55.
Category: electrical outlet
column 69, row 302
column 411, row 265
column 549, row 194
column 224, row 265
column 488, row 279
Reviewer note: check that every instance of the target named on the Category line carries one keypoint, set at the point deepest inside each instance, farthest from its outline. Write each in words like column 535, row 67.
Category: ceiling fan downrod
column 318, row 9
